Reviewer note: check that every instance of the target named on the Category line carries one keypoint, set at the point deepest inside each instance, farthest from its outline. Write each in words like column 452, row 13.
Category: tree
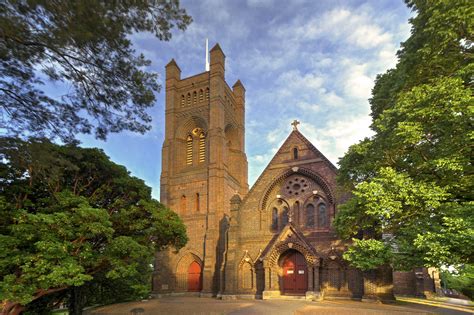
column 461, row 280
column 412, row 182
column 85, row 46
column 70, row 217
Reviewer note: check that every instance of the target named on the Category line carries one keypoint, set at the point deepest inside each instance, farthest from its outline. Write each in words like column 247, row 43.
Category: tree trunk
column 14, row 308
column 10, row 308
column 76, row 301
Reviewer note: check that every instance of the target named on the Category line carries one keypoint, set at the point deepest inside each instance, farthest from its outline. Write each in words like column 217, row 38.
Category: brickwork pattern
column 238, row 237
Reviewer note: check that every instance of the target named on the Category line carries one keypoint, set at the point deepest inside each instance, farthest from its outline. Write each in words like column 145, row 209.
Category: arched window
column 309, row 215
column 284, row 217
column 202, row 147
column 296, row 211
column 197, row 202
column 322, row 215
column 207, row 94
column 188, row 99
column 189, row 150
column 201, row 95
column 182, row 206
column 194, row 97
column 295, row 153
column 274, row 218
column 182, row 101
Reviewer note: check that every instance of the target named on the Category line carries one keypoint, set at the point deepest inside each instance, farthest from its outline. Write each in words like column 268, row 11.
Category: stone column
column 275, row 279
column 317, row 285
column 310, row 278
column 268, row 278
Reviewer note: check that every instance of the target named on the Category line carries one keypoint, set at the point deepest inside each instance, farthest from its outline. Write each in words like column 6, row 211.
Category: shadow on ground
column 196, row 305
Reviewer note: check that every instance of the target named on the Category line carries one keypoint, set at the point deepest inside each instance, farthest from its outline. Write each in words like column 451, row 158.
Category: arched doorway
column 194, row 277
column 295, row 274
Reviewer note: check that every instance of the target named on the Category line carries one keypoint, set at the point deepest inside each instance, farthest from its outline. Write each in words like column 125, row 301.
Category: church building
column 272, row 240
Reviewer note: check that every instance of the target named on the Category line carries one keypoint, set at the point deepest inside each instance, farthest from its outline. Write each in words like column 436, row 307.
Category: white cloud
column 339, row 24
column 336, row 136
column 293, row 79
column 332, row 139
column 356, row 82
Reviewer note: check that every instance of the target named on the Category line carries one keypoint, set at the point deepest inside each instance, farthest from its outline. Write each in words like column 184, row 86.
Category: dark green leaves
column 83, row 46
column 69, row 216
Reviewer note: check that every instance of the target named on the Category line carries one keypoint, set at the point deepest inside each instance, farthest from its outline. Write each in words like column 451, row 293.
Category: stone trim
column 303, row 171
column 276, row 252
column 191, row 123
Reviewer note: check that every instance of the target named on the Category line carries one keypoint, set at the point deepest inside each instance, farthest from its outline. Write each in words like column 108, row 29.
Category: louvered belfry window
column 189, row 150
column 202, row 147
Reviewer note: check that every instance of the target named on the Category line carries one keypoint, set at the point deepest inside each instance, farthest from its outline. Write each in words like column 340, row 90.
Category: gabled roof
column 295, row 134
column 289, row 237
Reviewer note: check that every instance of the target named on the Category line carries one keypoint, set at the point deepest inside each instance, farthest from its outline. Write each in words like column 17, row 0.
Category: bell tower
column 203, row 166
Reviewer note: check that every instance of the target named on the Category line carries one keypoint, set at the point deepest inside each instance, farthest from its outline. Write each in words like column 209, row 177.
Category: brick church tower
column 203, row 165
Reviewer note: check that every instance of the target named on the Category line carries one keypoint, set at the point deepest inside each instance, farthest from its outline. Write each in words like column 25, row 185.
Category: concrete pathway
column 205, row 306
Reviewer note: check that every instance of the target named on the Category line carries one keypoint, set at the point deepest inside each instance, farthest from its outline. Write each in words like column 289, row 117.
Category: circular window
column 296, row 186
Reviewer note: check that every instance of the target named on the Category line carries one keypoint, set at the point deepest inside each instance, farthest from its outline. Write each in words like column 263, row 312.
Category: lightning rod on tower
column 207, row 55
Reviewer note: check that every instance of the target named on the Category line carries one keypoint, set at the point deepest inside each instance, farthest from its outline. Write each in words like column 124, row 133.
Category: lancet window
column 202, row 147
column 322, row 215
column 189, row 150
column 274, row 218
column 284, row 217
column 310, row 215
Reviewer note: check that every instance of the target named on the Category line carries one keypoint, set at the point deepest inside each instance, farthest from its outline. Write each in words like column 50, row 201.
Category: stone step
column 289, row 297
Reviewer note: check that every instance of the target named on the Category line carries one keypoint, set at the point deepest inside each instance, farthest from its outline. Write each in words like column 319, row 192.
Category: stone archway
column 189, row 273
column 274, row 269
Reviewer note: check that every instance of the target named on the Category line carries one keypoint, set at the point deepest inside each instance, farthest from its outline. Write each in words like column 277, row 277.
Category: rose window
column 296, row 186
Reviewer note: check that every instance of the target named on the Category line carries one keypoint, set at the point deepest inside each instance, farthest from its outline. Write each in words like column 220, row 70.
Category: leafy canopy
column 69, row 216
column 85, row 47
column 412, row 182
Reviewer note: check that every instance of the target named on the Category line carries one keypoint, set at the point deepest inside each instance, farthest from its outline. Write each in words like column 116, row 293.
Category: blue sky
column 311, row 60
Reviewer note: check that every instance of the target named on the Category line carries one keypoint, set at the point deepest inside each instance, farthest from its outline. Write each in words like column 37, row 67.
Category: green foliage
column 85, row 46
column 70, row 217
column 462, row 280
column 414, row 178
column 367, row 254
column 453, row 233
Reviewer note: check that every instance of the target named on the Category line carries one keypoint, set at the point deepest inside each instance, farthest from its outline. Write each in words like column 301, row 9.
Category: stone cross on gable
column 295, row 124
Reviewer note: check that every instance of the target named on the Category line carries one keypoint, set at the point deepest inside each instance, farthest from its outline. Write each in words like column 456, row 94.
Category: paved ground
column 198, row 306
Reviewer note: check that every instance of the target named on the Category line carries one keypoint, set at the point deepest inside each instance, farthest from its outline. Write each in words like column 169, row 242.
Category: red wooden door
column 194, row 277
column 295, row 274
